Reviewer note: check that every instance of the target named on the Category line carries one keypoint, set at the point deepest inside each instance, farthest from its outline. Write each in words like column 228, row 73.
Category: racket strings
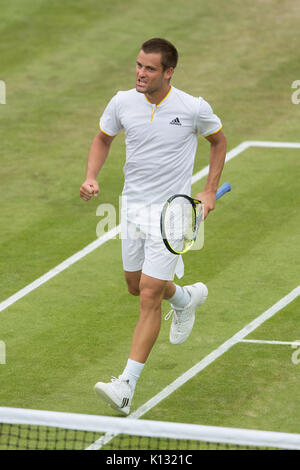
column 180, row 224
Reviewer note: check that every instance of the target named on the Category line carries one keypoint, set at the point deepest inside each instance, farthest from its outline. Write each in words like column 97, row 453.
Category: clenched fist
column 89, row 189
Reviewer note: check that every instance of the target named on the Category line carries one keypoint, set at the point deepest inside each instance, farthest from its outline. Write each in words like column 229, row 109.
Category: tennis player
column 161, row 125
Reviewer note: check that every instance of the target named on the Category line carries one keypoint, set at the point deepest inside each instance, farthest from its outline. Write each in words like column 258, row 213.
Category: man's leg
column 133, row 284
column 149, row 322
column 172, row 292
column 120, row 391
column 152, row 291
column 133, row 281
column 147, row 329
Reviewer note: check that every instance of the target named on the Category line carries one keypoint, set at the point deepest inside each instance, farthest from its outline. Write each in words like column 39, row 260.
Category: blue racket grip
column 225, row 188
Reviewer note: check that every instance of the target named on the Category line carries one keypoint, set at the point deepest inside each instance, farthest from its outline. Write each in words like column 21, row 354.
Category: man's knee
column 151, row 291
column 133, row 282
column 133, row 290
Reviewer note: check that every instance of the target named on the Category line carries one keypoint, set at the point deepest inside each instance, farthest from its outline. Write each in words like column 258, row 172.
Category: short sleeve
column 207, row 122
column 109, row 121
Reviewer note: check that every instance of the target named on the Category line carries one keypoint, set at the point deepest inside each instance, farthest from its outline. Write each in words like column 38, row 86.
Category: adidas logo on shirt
column 176, row 122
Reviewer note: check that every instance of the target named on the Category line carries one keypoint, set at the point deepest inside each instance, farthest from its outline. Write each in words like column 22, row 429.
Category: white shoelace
column 169, row 314
column 174, row 312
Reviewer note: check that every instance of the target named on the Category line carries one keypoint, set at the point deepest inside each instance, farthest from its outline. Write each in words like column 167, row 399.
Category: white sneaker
column 117, row 394
column 183, row 319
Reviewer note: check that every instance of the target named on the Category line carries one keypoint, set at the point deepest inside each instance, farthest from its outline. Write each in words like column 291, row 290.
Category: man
column 161, row 124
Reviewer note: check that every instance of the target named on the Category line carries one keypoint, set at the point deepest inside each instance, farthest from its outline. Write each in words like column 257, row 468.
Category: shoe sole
column 107, row 398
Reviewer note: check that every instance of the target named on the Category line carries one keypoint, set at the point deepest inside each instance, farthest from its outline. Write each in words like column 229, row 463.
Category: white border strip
column 161, row 429
column 112, row 233
column 262, row 341
column 237, row 338
column 283, row 145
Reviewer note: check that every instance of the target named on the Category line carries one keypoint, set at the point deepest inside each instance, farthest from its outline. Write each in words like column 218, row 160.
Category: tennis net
column 23, row 429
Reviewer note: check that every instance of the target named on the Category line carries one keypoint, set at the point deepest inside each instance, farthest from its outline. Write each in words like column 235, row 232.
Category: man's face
column 150, row 76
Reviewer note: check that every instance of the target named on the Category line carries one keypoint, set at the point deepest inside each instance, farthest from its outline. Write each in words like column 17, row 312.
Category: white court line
column 112, row 233
column 189, row 374
column 262, row 341
column 241, row 148
column 283, row 145
column 59, row 268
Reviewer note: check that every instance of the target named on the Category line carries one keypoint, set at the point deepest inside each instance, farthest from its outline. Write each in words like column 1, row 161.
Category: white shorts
column 148, row 253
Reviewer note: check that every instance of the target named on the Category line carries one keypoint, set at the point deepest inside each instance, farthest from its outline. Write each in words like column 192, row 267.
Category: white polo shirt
column 161, row 144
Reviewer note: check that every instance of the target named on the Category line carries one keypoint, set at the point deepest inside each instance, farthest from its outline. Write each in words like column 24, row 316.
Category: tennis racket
column 180, row 220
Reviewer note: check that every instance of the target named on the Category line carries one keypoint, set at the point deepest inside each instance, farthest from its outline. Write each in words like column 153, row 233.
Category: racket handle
column 223, row 190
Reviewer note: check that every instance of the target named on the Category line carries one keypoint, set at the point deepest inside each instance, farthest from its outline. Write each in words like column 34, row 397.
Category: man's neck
column 158, row 96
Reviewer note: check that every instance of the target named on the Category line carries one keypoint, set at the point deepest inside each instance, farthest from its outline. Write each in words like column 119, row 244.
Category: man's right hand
column 89, row 189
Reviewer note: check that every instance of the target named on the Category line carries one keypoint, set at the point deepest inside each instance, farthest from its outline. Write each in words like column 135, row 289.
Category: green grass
column 61, row 63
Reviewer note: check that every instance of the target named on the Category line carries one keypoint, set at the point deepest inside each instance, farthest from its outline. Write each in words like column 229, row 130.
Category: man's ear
column 169, row 72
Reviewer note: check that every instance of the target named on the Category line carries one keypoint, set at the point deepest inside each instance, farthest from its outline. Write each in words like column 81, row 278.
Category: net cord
column 137, row 427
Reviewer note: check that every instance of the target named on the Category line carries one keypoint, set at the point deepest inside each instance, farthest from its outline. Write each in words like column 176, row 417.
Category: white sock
column 181, row 297
column 132, row 372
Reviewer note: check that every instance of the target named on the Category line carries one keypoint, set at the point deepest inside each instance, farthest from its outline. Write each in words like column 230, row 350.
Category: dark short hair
column 169, row 54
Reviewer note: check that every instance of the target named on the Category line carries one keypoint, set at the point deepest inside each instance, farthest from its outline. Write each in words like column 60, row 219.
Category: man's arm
column 216, row 164
column 98, row 153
